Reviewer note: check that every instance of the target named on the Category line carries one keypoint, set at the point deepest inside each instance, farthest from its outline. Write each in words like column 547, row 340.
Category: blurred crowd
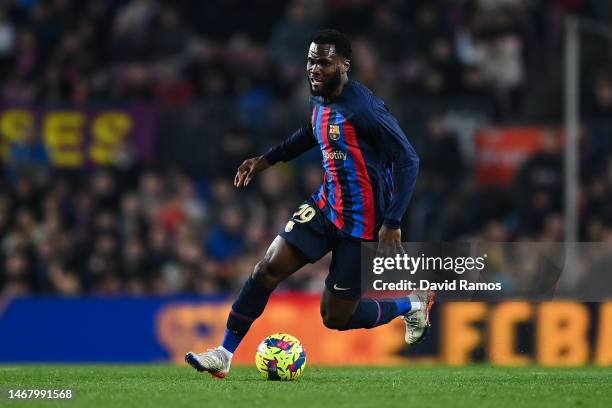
column 138, row 230
column 173, row 53
column 229, row 81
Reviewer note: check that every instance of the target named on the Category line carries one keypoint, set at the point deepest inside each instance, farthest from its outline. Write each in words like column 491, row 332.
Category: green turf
column 421, row 386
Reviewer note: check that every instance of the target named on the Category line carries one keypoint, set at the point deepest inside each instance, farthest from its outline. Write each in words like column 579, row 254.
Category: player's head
column 329, row 59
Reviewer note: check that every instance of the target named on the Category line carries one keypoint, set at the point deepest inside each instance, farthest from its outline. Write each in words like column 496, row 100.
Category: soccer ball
column 280, row 357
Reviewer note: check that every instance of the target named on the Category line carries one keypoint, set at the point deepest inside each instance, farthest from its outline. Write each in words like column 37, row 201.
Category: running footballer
column 370, row 171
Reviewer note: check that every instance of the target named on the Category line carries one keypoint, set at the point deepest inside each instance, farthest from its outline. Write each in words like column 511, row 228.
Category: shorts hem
column 346, row 295
column 294, row 244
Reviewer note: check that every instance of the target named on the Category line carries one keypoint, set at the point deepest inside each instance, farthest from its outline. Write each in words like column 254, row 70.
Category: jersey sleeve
column 299, row 142
column 403, row 158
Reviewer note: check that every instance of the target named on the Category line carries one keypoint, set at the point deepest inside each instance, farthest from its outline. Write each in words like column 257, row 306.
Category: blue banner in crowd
column 50, row 329
column 162, row 329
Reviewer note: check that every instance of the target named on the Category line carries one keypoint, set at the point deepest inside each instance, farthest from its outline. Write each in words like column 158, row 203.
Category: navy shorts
column 314, row 236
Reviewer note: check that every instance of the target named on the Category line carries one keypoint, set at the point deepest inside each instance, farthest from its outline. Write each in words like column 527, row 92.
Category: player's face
column 324, row 68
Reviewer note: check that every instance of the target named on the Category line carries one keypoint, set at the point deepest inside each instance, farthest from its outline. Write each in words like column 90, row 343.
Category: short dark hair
column 334, row 37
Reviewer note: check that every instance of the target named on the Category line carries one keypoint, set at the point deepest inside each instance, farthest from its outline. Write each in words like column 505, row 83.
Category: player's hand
column 248, row 169
column 390, row 241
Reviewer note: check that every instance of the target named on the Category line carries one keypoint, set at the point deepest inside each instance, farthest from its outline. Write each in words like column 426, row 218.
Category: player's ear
column 346, row 65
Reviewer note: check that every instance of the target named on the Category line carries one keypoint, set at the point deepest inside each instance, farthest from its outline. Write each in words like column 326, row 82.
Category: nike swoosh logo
column 339, row 288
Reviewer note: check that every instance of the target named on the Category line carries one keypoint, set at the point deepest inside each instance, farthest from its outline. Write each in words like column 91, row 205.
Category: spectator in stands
column 28, row 157
column 539, row 184
column 441, row 172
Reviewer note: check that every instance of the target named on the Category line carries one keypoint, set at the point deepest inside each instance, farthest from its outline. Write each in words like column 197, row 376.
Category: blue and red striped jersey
column 370, row 167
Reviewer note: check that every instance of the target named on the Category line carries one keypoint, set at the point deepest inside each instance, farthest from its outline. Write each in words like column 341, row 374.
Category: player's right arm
column 300, row 141
column 248, row 169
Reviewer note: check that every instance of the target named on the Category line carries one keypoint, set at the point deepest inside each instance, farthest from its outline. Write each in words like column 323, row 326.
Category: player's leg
column 340, row 313
column 302, row 241
column 342, row 307
column 346, row 314
column 280, row 261
column 335, row 311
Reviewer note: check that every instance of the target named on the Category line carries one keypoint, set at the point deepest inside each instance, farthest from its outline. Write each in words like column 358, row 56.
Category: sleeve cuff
column 393, row 224
column 270, row 156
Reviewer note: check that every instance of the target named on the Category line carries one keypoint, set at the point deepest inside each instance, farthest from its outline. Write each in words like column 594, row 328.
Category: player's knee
column 266, row 274
column 335, row 322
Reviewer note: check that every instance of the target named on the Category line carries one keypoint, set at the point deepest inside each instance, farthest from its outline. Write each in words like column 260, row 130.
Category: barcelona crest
column 334, row 132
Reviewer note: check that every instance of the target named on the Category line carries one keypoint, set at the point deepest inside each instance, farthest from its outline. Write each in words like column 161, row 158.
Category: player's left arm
column 398, row 149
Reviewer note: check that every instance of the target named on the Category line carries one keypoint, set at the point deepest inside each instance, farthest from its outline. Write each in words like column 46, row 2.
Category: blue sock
column 249, row 305
column 375, row 312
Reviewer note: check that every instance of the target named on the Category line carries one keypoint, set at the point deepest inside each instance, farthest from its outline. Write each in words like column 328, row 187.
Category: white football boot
column 417, row 321
column 214, row 361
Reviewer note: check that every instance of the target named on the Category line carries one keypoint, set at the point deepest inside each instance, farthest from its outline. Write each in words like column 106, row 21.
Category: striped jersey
column 370, row 168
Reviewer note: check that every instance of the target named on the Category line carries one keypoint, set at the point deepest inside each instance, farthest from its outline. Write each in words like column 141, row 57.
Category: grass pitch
column 410, row 386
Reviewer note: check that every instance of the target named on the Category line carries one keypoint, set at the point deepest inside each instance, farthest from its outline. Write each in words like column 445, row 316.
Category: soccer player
column 370, row 173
